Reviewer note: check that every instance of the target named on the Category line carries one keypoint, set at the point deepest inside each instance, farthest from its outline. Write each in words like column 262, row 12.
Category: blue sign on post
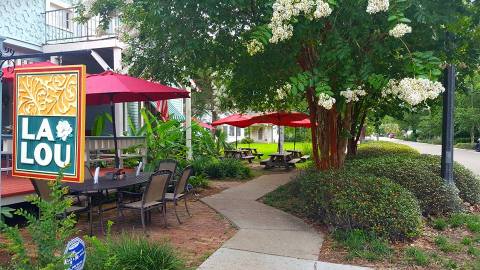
column 76, row 254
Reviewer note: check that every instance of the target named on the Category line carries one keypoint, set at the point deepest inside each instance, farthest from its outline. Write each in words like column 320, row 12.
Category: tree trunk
column 356, row 129
column 328, row 127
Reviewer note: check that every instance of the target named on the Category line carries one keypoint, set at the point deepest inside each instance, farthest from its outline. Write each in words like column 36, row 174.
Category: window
column 225, row 129
column 239, row 131
column 232, row 131
column 260, row 134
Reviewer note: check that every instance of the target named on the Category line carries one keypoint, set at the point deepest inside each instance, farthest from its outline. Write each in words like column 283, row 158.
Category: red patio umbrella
column 110, row 87
column 236, row 120
column 280, row 118
column 202, row 124
column 8, row 72
column 289, row 119
column 305, row 123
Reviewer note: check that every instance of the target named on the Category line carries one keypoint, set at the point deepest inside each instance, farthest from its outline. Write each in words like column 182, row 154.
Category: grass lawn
column 270, row 148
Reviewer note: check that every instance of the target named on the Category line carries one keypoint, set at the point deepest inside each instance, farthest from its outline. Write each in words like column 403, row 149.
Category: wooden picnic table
column 279, row 160
column 241, row 154
column 295, row 153
column 253, row 152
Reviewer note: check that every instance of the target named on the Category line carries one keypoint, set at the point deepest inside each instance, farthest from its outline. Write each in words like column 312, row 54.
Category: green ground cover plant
column 361, row 244
column 130, row 252
column 417, row 256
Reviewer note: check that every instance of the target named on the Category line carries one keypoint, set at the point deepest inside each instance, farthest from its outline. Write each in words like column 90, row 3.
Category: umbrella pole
column 114, row 126
column 294, row 137
column 236, row 138
column 278, row 144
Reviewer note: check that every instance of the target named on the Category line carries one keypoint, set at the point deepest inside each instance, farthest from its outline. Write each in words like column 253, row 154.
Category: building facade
column 51, row 26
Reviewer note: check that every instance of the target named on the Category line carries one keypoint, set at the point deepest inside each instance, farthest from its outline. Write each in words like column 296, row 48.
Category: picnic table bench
column 298, row 155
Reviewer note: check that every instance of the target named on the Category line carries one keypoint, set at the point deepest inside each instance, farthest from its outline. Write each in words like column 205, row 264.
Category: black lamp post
column 448, row 113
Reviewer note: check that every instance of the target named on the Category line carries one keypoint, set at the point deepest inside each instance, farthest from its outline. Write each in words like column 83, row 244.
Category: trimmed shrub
column 375, row 149
column 220, row 169
column 465, row 180
column 416, row 174
column 469, row 146
column 418, row 167
column 350, row 200
column 247, row 140
column 199, row 181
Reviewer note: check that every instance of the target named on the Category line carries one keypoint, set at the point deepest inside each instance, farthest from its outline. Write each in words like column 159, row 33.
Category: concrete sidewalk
column 268, row 238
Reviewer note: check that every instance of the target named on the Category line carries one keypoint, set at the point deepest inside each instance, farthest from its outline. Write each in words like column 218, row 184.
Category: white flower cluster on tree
column 375, row 6
column 323, row 10
column 285, row 10
column 254, row 47
column 400, row 30
column 283, row 91
column 413, row 91
column 353, row 95
column 326, row 101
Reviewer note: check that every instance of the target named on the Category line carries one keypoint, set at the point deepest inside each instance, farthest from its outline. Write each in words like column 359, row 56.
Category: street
column 468, row 158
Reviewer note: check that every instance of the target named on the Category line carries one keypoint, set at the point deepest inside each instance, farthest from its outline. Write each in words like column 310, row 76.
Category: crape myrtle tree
column 339, row 59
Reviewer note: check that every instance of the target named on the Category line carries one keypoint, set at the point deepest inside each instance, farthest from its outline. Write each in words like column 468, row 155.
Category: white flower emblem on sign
column 64, row 130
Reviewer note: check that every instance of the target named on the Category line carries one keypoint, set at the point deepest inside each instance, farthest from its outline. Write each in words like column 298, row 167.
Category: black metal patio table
column 91, row 189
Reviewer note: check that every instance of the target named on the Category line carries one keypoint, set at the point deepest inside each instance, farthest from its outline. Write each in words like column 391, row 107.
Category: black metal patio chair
column 153, row 197
column 180, row 191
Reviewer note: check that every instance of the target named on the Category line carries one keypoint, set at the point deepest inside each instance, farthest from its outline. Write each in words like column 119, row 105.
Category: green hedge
column 415, row 173
column 219, row 169
column 350, row 200
column 375, row 149
column 465, row 180
column 469, row 146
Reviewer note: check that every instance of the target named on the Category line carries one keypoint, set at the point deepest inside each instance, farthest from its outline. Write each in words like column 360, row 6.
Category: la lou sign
column 49, row 122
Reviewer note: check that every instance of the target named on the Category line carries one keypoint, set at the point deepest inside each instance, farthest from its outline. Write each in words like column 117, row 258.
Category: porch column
column 119, row 107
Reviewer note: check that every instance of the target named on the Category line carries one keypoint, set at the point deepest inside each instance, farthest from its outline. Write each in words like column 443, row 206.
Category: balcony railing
column 63, row 26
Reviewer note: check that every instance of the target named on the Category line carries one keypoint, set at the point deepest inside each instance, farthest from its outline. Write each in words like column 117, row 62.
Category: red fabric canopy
column 110, row 86
column 237, row 120
column 202, row 124
column 289, row 119
column 8, row 71
column 303, row 123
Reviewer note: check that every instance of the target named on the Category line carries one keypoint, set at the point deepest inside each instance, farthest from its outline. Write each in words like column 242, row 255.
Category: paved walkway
column 468, row 158
column 268, row 239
